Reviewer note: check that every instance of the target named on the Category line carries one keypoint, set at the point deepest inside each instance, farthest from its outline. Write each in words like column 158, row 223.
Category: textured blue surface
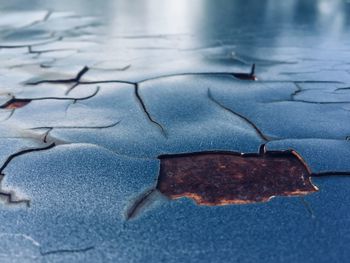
column 115, row 84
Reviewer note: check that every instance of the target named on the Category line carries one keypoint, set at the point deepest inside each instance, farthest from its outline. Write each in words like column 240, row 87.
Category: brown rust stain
column 221, row 178
column 15, row 104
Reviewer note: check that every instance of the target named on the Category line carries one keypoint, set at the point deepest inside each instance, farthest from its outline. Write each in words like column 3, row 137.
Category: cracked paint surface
column 93, row 93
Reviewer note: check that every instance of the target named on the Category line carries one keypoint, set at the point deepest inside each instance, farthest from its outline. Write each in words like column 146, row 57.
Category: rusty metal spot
column 221, row 178
column 15, row 104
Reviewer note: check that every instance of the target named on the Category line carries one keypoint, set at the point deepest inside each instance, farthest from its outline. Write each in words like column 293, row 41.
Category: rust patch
column 221, row 178
column 15, row 104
